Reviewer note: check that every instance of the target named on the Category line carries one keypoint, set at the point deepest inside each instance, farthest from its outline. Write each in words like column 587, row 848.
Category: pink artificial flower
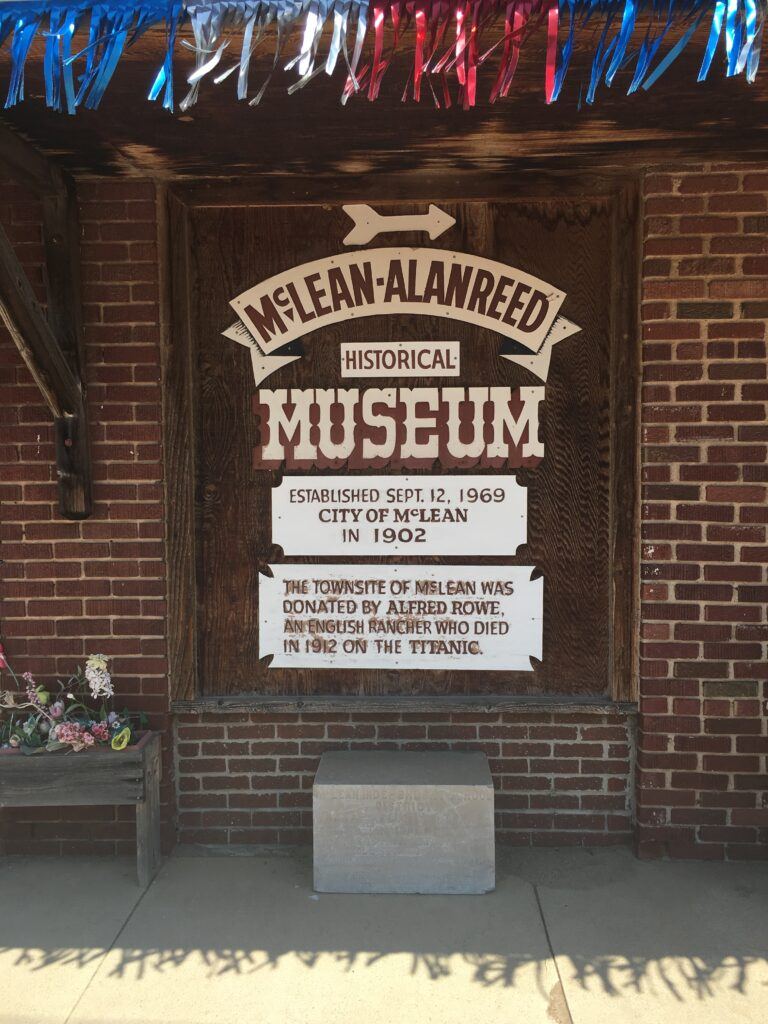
column 88, row 739
column 3, row 662
column 74, row 735
column 57, row 709
column 101, row 731
column 31, row 687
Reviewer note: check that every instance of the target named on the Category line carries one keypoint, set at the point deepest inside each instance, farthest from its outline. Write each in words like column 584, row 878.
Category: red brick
column 702, row 184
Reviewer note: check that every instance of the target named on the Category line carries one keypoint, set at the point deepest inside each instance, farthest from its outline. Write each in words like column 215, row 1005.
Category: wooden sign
column 418, row 616
column 401, row 454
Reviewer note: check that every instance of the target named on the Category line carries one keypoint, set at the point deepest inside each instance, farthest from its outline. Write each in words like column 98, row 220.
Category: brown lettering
column 267, row 320
column 434, row 289
column 515, row 303
column 316, row 294
column 494, row 310
column 530, row 321
column 304, row 315
column 413, row 295
column 458, row 285
column 361, row 278
column 395, row 283
column 481, row 289
column 339, row 290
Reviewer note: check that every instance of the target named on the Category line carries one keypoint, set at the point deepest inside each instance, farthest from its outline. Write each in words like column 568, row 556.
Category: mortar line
column 551, row 953
column 109, row 949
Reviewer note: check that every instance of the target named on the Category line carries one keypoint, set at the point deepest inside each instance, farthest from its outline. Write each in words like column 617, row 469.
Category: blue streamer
column 714, row 36
column 164, row 77
column 673, row 54
column 625, row 34
column 23, row 35
column 732, row 35
column 602, row 56
column 566, row 52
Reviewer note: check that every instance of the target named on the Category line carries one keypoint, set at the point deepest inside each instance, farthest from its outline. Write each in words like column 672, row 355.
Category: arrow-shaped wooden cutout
column 538, row 362
column 262, row 365
column 369, row 223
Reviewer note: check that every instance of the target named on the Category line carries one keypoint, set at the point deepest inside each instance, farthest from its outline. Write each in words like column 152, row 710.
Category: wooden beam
column 250, row 703
column 34, row 338
column 61, row 235
column 26, row 164
column 52, row 349
column 51, row 370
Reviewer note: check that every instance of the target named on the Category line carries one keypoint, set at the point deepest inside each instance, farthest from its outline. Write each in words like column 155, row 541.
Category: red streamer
column 378, row 47
column 418, row 57
column 553, row 21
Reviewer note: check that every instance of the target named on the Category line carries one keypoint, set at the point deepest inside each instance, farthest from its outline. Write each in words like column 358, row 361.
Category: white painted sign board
column 399, row 515
column 401, row 617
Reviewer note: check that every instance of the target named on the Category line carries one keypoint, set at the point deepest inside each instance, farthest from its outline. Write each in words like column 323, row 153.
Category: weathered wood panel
column 148, row 853
column 625, row 451
column 409, row 703
column 85, row 778
column 178, row 419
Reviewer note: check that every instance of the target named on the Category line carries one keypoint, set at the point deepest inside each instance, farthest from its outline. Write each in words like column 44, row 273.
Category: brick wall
column 68, row 589
column 703, row 737
column 561, row 780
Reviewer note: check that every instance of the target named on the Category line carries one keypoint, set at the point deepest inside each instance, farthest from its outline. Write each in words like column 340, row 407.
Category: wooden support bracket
column 51, row 347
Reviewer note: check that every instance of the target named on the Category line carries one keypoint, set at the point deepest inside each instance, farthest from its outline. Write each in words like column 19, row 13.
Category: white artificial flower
column 99, row 679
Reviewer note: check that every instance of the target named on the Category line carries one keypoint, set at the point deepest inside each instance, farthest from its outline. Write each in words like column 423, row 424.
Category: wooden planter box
column 89, row 778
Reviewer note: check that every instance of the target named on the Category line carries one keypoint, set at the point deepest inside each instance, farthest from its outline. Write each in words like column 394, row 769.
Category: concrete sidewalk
column 568, row 937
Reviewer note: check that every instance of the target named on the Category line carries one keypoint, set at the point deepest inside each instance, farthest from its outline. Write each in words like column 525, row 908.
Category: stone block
column 402, row 821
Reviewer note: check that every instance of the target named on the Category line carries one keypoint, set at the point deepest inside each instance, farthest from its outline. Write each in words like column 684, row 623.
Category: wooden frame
column 52, row 346
column 90, row 778
column 179, row 414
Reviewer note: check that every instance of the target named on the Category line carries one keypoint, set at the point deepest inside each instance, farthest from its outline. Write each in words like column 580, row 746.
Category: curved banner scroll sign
column 400, row 279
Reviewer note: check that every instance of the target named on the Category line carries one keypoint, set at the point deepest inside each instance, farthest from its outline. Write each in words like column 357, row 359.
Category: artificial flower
column 72, row 733
column 99, row 679
column 120, row 739
column 101, row 731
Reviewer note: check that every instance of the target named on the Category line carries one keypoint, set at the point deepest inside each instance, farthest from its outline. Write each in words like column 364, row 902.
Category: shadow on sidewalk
column 682, row 932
